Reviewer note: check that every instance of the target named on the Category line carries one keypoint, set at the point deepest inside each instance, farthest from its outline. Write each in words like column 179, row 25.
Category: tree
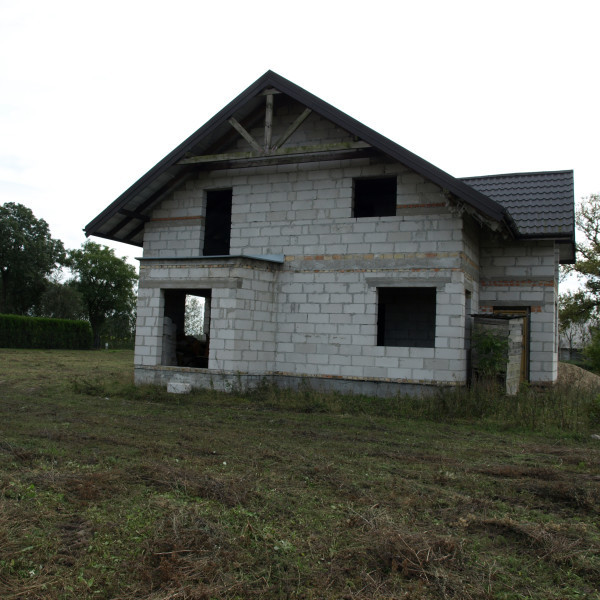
column 194, row 315
column 576, row 319
column 59, row 301
column 28, row 255
column 580, row 311
column 587, row 265
column 106, row 284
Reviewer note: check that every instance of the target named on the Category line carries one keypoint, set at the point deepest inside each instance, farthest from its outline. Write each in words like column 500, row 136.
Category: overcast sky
column 93, row 94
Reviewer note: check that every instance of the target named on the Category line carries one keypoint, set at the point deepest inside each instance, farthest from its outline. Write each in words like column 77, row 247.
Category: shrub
column 36, row 332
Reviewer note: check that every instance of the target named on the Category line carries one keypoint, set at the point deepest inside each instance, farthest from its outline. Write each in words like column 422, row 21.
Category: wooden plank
column 269, row 92
column 240, row 129
column 283, row 159
column 290, row 130
column 268, row 122
column 298, row 150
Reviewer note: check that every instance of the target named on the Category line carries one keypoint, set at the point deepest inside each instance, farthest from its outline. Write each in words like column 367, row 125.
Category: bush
column 37, row 332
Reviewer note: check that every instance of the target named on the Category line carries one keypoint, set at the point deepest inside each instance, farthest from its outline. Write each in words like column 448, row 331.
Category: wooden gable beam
column 240, row 129
column 268, row 122
column 292, row 128
column 309, row 151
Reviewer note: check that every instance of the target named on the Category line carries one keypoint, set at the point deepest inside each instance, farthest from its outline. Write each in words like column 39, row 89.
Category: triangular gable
column 125, row 218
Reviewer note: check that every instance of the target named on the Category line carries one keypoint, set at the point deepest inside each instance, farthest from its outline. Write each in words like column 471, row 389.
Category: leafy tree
column 28, row 254
column 587, row 265
column 106, row 284
column 580, row 311
column 60, row 301
column 576, row 318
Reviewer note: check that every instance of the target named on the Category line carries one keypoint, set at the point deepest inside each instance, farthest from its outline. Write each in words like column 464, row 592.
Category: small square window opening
column 375, row 197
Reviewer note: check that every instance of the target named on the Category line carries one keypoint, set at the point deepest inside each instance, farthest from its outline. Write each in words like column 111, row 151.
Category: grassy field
column 110, row 491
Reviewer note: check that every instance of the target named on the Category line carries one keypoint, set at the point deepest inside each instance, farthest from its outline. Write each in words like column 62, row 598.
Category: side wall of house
column 525, row 275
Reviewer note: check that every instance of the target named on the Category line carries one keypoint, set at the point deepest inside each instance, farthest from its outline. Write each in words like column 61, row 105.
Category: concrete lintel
column 270, row 258
column 409, row 280
column 179, row 284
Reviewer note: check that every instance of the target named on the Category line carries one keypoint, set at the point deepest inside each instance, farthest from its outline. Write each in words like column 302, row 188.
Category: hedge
column 37, row 332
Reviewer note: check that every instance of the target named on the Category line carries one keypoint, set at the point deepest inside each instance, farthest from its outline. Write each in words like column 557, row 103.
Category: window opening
column 375, row 197
column 406, row 317
column 186, row 331
column 217, row 222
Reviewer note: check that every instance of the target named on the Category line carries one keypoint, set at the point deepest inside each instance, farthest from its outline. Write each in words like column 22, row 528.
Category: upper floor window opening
column 217, row 222
column 374, row 197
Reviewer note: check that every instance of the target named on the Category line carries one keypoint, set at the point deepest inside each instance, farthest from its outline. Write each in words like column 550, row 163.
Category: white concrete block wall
column 317, row 313
column 327, row 323
column 149, row 327
column 523, row 274
column 322, row 319
column 242, row 327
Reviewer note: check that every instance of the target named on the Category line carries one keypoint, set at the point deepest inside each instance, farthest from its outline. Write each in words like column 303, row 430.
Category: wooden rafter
column 275, row 154
column 268, row 148
column 240, row 129
column 130, row 215
column 134, row 215
column 268, row 122
column 290, row 130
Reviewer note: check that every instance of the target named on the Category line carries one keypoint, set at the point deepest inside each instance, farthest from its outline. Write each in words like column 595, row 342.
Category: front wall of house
column 325, row 294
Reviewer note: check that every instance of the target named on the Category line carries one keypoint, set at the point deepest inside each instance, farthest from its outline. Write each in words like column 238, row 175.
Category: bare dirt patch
column 572, row 375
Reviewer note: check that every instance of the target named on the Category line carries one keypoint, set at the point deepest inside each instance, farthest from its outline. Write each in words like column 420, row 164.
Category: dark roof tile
column 541, row 204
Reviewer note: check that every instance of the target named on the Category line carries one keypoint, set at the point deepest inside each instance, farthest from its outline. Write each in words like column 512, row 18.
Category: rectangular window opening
column 375, row 197
column 406, row 317
column 186, row 330
column 217, row 222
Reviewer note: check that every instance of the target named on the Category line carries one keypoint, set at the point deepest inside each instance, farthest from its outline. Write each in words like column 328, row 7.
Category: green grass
column 111, row 491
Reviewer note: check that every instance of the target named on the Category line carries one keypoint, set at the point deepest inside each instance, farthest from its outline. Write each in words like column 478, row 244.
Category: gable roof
column 124, row 219
column 120, row 221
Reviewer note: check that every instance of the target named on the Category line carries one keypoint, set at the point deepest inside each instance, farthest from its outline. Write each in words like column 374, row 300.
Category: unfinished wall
column 316, row 314
column 241, row 315
column 524, row 274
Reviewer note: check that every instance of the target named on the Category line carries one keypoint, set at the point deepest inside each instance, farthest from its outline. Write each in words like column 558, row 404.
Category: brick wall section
column 523, row 274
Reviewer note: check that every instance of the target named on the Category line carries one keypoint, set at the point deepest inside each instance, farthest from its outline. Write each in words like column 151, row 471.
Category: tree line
column 40, row 278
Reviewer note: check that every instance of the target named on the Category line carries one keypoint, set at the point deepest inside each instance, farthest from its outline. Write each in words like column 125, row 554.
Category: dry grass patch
column 120, row 493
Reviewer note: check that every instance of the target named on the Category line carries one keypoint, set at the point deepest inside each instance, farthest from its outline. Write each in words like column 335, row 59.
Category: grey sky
column 93, row 94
